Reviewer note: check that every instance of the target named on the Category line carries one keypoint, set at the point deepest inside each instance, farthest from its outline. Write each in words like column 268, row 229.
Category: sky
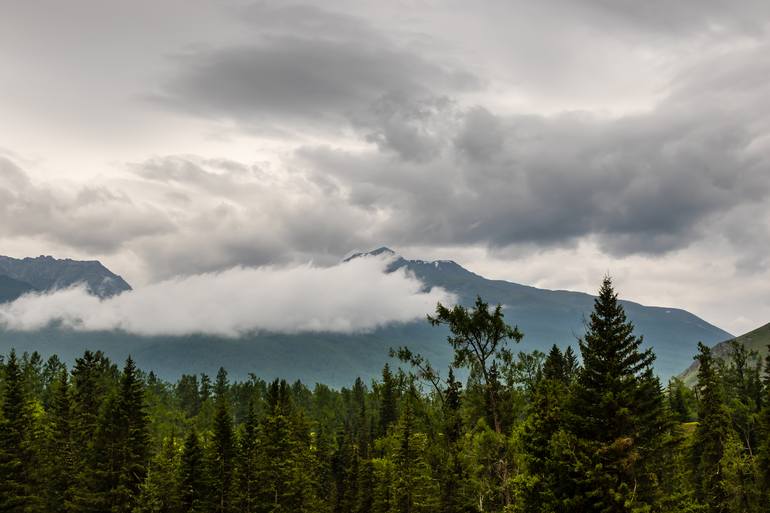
column 546, row 143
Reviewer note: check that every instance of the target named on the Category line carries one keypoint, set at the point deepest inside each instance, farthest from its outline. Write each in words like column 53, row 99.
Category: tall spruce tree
column 194, row 490
column 246, row 464
column 414, row 489
column 136, row 441
column 616, row 413
column 159, row 493
column 544, row 420
column 286, row 468
column 16, row 458
column 455, row 496
column 712, row 436
column 60, row 465
column 388, row 398
column 223, row 447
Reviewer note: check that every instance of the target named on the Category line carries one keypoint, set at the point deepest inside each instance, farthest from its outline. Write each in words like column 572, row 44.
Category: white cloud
column 355, row 296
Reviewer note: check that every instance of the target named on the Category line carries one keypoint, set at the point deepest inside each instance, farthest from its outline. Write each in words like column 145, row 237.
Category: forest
column 584, row 430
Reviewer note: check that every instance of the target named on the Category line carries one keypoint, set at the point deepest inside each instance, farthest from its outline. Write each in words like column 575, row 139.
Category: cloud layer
column 355, row 296
column 192, row 137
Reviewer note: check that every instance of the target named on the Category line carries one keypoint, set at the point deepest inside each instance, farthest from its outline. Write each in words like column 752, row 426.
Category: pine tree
column 366, row 486
column 454, row 490
column 134, row 452
column 60, row 467
column 193, row 477
column 287, row 468
column 680, row 400
column 159, row 493
column 222, row 447
column 616, row 413
column 16, row 494
column 93, row 378
column 544, row 420
column 712, row 436
column 388, row 397
column 414, row 489
column 360, row 419
column 117, row 460
column 246, row 464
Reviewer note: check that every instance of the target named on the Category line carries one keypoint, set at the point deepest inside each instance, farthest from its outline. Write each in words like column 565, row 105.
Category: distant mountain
column 544, row 316
column 46, row 273
column 755, row 340
column 556, row 316
column 11, row 289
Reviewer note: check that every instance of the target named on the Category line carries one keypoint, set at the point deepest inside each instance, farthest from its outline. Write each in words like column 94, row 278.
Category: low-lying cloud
column 354, row 296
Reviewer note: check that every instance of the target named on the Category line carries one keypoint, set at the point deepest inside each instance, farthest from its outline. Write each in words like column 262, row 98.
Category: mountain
column 46, row 273
column 545, row 317
column 11, row 289
column 755, row 340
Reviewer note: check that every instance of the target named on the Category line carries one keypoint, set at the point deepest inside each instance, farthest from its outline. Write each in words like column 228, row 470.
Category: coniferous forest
column 584, row 430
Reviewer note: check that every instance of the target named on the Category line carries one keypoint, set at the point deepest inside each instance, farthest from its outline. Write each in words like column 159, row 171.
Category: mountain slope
column 11, row 289
column 545, row 316
column 755, row 340
column 46, row 273
column 556, row 316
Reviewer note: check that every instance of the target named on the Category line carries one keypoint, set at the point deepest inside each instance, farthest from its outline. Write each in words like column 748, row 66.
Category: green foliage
column 16, row 451
column 616, row 413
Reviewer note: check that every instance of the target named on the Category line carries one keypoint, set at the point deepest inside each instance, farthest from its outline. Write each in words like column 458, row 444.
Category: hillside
column 755, row 340
column 544, row 316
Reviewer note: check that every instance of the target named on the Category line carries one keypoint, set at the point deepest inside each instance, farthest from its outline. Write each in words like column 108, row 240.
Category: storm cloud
column 308, row 66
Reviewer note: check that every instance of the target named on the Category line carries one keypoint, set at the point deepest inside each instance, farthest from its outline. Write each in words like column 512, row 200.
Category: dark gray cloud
column 643, row 184
column 310, row 66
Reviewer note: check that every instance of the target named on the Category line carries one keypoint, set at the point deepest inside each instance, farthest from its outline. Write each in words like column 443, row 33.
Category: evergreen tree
column 159, row 493
column 615, row 412
column 680, row 400
column 455, row 497
column 222, row 447
column 117, row 460
column 544, row 420
column 388, row 397
column 286, row 470
column 194, row 489
column 571, row 365
column 60, row 467
column 93, row 377
column 16, row 458
column 414, row 489
column 134, row 452
column 188, row 394
column 712, row 437
column 366, row 487
column 246, row 464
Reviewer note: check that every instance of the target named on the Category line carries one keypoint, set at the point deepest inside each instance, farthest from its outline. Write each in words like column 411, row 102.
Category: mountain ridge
column 46, row 273
column 545, row 316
